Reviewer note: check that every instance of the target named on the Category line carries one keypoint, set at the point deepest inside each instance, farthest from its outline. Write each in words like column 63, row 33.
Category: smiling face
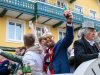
column 49, row 42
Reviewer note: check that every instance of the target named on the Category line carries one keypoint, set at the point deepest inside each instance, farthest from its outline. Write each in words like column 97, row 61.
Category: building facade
column 16, row 14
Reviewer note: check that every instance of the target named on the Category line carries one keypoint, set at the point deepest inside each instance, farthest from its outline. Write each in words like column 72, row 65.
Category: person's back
column 35, row 57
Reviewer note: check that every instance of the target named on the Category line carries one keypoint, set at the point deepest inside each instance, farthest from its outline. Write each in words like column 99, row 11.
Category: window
column 60, row 4
column 78, row 9
column 42, row 0
column 38, row 0
column 14, row 31
column 61, row 34
column 39, row 31
column 92, row 14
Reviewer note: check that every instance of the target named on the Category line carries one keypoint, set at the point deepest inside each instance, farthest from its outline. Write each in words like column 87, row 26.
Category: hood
column 36, row 48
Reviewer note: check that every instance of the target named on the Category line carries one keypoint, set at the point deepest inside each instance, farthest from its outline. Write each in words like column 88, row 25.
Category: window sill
column 14, row 41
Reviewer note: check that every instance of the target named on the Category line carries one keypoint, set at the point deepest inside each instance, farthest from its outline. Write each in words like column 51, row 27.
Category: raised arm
column 33, row 32
column 68, row 39
column 12, row 57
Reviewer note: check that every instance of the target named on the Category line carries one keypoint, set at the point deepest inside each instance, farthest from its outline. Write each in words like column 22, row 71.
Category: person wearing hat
column 85, row 48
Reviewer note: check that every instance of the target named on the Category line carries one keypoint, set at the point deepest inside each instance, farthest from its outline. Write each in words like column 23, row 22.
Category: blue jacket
column 60, row 58
column 4, row 68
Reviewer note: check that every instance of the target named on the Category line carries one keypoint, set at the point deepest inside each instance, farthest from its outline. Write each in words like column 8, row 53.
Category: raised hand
column 69, row 16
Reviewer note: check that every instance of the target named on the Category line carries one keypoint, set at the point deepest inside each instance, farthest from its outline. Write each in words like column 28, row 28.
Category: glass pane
column 42, row 0
column 58, row 3
column 92, row 14
column 62, row 5
column 43, row 31
column 78, row 9
column 38, row 31
column 11, row 30
column 60, row 35
column 18, row 31
column 63, row 35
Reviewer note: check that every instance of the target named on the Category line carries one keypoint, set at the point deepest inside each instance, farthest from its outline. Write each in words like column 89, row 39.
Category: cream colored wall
column 89, row 5
column 86, row 4
column 52, row 1
column 3, row 33
column 54, row 31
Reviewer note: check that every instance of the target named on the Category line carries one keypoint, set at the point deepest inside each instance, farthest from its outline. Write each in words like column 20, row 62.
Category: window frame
column 22, row 32
column 43, row 1
column 40, row 31
column 79, row 7
column 46, row 1
column 40, row 26
column 61, row 30
column 61, row 1
column 90, row 13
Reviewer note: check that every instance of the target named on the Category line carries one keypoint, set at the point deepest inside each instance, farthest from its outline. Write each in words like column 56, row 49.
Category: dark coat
column 60, row 58
column 84, row 51
column 4, row 68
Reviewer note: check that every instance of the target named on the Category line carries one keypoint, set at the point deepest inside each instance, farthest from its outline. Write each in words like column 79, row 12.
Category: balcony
column 42, row 10
column 18, row 5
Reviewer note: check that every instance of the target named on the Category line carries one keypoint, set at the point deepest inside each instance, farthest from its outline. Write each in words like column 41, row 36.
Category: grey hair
column 80, row 33
column 86, row 31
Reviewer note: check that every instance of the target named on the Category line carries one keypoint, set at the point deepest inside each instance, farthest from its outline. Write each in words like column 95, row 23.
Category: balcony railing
column 42, row 9
column 96, row 22
column 56, row 12
column 50, row 10
column 78, row 18
column 18, row 5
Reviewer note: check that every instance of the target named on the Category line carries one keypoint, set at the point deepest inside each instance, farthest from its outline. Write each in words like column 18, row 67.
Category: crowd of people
column 47, row 57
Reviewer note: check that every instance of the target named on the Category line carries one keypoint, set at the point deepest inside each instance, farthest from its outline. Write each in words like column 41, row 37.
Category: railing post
column 35, row 8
